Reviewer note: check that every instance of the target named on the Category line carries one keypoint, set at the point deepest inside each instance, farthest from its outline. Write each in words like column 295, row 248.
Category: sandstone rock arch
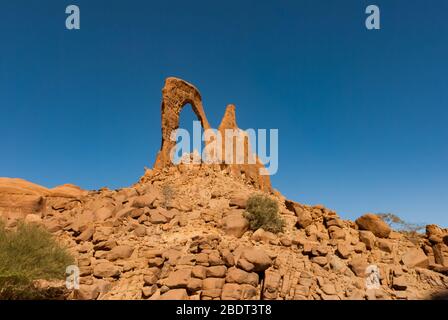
column 175, row 95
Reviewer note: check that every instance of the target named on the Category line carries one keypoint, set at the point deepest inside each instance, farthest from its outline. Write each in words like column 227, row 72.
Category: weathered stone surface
column 400, row 283
column 106, row 270
column 120, row 252
column 231, row 291
column 175, row 294
column 235, row 225
column 359, row 266
column 375, row 224
column 239, row 202
column 212, row 283
column 194, row 284
column 260, row 260
column 385, row 245
column 149, row 291
column 235, row 275
column 87, row 292
column 144, row 201
column 156, row 217
column 199, row 272
column 178, row 279
column 263, row 236
column 415, row 258
column 434, row 233
column 304, row 218
column 216, row 272
column 87, row 234
column 368, row 238
column 272, row 284
column 103, row 213
column 150, row 279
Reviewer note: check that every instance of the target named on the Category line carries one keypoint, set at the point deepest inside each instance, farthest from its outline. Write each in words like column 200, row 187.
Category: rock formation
column 180, row 233
column 250, row 166
column 20, row 198
column 175, row 95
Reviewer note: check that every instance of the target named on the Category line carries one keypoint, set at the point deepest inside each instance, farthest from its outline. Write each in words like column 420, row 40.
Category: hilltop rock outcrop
column 175, row 95
column 181, row 233
column 20, row 198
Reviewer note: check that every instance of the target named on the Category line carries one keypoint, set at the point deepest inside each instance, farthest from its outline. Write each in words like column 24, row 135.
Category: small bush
column 262, row 212
column 29, row 253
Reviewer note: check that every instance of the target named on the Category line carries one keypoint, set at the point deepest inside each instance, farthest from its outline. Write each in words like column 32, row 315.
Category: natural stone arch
column 176, row 94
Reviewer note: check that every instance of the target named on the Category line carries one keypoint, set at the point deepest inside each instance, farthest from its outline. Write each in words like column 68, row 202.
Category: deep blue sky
column 362, row 115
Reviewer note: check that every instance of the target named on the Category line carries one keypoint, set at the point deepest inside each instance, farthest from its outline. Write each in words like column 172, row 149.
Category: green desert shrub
column 29, row 253
column 263, row 212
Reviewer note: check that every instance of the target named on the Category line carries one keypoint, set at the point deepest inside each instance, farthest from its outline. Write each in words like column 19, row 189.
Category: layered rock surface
column 168, row 238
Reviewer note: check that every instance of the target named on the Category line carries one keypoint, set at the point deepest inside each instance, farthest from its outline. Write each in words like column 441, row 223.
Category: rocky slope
column 179, row 233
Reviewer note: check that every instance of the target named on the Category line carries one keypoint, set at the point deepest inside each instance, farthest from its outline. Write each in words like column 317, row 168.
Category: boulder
column 258, row 258
column 87, row 234
column 106, row 270
column 368, row 238
column 434, row 233
column 178, row 279
column 415, row 258
column 359, row 266
column 235, row 275
column 104, row 213
column 263, row 236
column 344, row 250
column 399, row 283
column 120, row 252
column 216, row 272
column 375, row 224
column 235, row 225
column 156, row 217
column 194, row 284
column 304, row 219
column 199, row 272
column 212, row 283
column 239, row 202
column 144, row 201
column 149, row 291
column 231, row 291
column 175, row 294
column 385, row 245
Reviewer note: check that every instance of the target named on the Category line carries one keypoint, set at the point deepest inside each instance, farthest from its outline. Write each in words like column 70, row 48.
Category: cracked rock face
column 175, row 95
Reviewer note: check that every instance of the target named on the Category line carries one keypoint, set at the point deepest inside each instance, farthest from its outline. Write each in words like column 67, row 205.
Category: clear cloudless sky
column 362, row 115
